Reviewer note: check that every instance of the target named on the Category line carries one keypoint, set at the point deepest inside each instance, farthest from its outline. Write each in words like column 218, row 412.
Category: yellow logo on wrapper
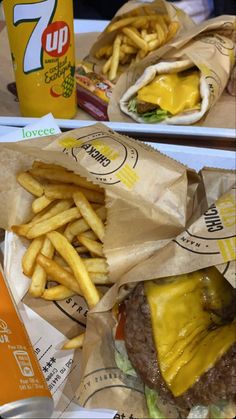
column 69, row 142
column 42, row 48
column 109, row 161
column 228, row 248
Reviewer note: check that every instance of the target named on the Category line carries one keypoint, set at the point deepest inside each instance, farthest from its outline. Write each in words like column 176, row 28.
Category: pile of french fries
column 66, row 236
column 136, row 37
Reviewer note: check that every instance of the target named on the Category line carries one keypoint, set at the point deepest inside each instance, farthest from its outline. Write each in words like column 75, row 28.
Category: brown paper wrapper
column 149, row 198
column 208, row 241
column 208, row 46
column 140, row 8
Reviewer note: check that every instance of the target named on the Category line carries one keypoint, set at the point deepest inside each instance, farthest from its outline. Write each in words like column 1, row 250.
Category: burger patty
column 218, row 383
column 143, row 107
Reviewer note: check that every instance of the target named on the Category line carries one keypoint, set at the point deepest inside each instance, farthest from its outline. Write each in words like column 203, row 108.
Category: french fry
column 29, row 258
column 139, row 42
column 161, row 34
column 106, row 67
column 99, row 278
column 41, row 164
column 21, row 229
column 53, row 223
column 120, row 24
column 39, row 277
column 89, row 215
column 30, row 184
column 66, row 250
column 96, row 265
column 75, row 343
column 57, row 293
column 81, row 249
column 115, row 58
column 62, row 205
column 61, row 191
column 172, row 30
column 90, row 234
column 58, row 273
column 40, row 203
column 57, row 208
column 128, row 49
column 153, row 44
column 92, row 245
column 63, row 176
column 140, row 22
column 150, row 37
column 80, row 226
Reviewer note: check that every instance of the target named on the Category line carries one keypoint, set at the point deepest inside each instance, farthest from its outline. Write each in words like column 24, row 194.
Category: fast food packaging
column 208, row 47
column 158, row 223
column 134, row 9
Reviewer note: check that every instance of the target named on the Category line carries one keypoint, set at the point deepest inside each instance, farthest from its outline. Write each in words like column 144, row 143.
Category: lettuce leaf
column 150, row 117
column 122, row 360
column 151, row 399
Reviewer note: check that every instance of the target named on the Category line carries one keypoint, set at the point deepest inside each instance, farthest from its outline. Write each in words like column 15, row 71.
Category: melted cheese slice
column 185, row 344
column 174, row 93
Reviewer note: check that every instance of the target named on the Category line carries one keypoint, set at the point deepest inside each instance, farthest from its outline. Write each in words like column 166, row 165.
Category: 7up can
column 41, row 40
column 23, row 390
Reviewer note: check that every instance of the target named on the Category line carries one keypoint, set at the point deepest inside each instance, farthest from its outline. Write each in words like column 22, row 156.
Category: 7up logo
column 53, row 38
column 56, row 39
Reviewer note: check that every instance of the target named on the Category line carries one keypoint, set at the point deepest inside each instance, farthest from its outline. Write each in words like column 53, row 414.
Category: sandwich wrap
column 208, row 48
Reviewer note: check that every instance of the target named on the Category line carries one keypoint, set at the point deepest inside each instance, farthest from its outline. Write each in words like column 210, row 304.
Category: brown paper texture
column 209, row 46
column 217, row 117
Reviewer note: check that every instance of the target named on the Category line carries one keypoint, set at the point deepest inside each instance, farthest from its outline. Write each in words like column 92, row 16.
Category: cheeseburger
column 178, row 334
column 169, row 92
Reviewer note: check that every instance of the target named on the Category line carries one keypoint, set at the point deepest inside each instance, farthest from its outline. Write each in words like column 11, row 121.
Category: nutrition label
column 60, row 367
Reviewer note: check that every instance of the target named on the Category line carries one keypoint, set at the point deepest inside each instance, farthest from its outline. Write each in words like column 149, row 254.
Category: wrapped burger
column 168, row 346
column 180, row 83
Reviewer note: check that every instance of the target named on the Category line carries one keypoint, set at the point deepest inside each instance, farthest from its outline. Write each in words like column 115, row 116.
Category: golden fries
column 68, row 221
column 58, row 274
column 61, row 191
column 39, row 276
column 87, row 211
column 30, row 184
column 74, row 343
column 57, row 293
column 29, row 258
column 40, row 203
column 96, row 265
column 53, row 223
column 67, row 251
column 92, row 245
column 135, row 37
column 62, row 175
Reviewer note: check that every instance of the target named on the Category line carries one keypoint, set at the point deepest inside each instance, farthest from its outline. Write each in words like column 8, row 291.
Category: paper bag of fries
column 162, row 342
column 180, row 83
column 136, row 30
column 85, row 207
